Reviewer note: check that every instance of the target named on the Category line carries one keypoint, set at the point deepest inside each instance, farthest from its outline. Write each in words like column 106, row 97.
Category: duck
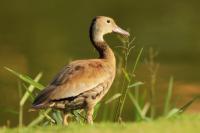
column 83, row 83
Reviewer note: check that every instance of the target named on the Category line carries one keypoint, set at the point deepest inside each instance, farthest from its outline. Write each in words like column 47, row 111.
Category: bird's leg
column 65, row 118
column 90, row 111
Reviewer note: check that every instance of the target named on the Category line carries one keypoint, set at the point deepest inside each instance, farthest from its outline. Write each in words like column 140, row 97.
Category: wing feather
column 74, row 79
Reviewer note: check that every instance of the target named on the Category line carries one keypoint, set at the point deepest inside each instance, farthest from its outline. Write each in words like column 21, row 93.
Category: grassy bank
column 180, row 124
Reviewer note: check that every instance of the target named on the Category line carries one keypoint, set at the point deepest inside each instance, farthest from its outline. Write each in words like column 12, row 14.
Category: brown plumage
column 83, row 83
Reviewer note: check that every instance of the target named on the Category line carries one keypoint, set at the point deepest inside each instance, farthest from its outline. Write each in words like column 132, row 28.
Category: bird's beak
column 119, row 30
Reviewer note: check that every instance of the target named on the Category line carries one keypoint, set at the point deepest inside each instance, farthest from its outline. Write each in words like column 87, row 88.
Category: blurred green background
column 44, row 35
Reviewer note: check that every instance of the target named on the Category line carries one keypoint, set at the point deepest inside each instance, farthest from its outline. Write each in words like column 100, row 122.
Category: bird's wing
column 74, row 79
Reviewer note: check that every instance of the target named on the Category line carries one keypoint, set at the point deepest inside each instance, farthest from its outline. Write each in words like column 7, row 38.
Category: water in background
column 45, row 35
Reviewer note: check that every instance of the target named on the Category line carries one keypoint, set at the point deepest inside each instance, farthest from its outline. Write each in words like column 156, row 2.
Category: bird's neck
column 105, row 52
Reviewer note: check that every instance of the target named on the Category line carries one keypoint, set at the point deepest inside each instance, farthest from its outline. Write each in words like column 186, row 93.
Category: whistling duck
column 83, row 83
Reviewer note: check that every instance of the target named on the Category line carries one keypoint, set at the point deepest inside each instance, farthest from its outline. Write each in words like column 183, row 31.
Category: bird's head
column 102, row 25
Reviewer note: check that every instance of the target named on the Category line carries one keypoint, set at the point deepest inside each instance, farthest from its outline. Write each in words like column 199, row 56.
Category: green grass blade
column 39, row 118
column 32, row 97
column 20, row 107
column 137, row 60
column 57, row 116
column 168, row 96
column 173, row 113
column 79, row 117
column 25, row 78
column 136, row 104
column 9, row 110
column 30, row 90
column 96, row 110
column 105, row 116
column 135, row 84
column 48, row 117
column 126, row 75
column 114, row 97
column 145, row 109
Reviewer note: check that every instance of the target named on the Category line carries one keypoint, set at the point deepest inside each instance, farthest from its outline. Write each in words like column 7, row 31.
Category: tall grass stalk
column 168, row 96
column 153, row 69
column 30, row 89
column 127, row 77
column 25, row 98
column 20, row 107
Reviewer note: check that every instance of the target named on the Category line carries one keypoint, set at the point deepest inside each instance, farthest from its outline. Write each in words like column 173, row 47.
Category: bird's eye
column 108, row 21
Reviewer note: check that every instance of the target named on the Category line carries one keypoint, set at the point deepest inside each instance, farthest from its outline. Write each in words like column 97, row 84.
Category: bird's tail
column 42, row 100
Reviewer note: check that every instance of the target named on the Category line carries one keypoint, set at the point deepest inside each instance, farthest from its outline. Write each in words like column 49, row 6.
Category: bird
column 83, row 83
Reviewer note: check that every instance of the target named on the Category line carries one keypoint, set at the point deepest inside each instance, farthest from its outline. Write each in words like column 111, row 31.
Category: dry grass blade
column 185, row 106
